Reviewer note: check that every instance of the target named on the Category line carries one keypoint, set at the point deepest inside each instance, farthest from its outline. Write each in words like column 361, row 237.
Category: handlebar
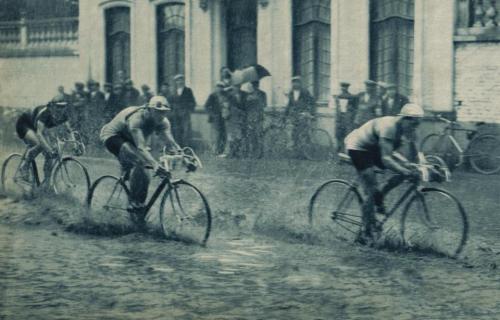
column 187, row 157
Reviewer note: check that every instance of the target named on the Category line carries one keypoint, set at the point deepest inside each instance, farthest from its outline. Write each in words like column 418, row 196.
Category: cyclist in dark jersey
column 31, row 127
column 127, row 137
column 375, row 144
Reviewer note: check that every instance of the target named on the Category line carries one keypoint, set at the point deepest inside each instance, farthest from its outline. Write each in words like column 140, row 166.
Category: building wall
column 26, row 82
column 477, row 81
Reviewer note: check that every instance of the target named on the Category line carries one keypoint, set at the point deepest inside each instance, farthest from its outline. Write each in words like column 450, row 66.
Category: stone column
column 143, row 56
column 434, row 52
column 350, row 52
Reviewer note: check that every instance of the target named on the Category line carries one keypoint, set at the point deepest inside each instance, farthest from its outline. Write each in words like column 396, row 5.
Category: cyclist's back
column 366, row 137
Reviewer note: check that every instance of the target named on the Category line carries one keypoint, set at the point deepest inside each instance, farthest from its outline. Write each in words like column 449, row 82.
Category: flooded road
column 255, row 266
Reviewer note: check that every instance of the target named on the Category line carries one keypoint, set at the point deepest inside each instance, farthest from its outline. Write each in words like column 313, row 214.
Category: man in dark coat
column 345, row 109
column 130, row 94
column 79, row 108
column 369, row 104
column 392, row 102
column 146, row 94
column 96, row 108
column 217, row 106
column 301, row 108
column 115, row 102
column 255, row 103
column 183, row 104
column 236, row 122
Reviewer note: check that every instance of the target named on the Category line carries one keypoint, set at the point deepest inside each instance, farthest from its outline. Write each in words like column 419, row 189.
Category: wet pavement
column 258, row 264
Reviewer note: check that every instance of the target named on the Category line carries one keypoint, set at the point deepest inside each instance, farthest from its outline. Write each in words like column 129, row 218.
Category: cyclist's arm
column 142, row 146
column 70, row 130
column 168, row 138
column 386, row 147
column 41, row 133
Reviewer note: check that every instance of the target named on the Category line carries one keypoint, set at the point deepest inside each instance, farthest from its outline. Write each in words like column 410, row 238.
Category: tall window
column 117, row 43
column 391, row 44
column 171, row 34
column 242, row 33
column 311, row 45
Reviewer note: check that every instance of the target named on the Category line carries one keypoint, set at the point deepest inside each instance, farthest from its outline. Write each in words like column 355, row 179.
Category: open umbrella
column 250, row 74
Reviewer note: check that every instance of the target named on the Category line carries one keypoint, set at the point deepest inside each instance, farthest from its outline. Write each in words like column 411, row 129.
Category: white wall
column 26, row 82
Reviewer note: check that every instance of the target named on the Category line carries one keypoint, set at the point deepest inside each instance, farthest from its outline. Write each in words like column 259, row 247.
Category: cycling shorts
column 23, row 124
column 115, row 143
column 366, row 159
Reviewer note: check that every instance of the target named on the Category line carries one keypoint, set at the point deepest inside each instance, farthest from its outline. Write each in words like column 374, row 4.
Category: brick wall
column 477, row 81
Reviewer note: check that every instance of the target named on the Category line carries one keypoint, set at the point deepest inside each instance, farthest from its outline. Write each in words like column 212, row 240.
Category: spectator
column 96, row 107
column 392, row 102
column 120, row 78
column 79, row 105
column 255, row 103
column 225, row 76
column 236, row 122
column 217, row 108
column 300, row 108
column 108, row 90
column 165, row 90
column 130, row 94
column 369, row 104
column 60, row 91
column 345, row 105
column 115, row 102
column 146, row 94
column 183, row 104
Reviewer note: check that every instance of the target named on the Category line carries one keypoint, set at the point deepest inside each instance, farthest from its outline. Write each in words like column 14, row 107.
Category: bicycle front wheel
column 70, row 177
column 435, row 219
column 320, row 146
column 442, row 147
column 185, row 214
column 484, row 154
column 12, row 180
column 108, row 201
column 335, row 210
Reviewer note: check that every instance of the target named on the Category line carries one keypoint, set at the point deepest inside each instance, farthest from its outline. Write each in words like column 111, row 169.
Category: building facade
column 437, row 52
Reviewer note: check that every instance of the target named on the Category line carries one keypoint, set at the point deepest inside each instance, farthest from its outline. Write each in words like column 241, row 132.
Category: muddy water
column 246, row 272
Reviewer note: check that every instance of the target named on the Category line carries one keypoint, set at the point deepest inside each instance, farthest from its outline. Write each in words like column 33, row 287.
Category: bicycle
column 184, row 211
column 67, row 174
column 336, row 206
column 315, row 145
column 482, row 152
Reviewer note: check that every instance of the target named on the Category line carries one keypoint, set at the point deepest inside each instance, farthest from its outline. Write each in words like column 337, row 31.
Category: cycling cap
column 59, row 100
column 412, row 110
column 159, row 103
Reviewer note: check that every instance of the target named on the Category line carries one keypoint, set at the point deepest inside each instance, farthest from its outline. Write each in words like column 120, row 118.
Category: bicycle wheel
column 11, row 176
column 70, row 177
column 435, row 219
column 185, row 214
column 484, row 154
column 335, row 210
column 442, row 147
column 320, row 146
column 108, row 200
column 275, row 143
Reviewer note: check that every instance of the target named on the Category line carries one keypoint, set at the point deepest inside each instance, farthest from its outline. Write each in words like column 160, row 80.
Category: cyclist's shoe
column 24, row 176
column 380, row 210
column 137, row 211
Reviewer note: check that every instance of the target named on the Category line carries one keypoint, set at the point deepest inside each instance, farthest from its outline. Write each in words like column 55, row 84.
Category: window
column 311, row 45
column 242, row 33
column 171, row 34
column 391, row 42
column 10, row 10
column 117, row 43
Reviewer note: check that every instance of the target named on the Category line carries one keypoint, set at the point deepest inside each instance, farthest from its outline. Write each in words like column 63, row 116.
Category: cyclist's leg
column 34, row 149
column 131, row 159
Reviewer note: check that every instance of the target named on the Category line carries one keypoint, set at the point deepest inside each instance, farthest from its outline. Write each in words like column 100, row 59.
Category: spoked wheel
column 185, row 214
column 70, row 177
column 108, row 201
column 275, row 143
column 442, row 147
column 12, row 180
column 335, row 210
column 320, row 146
column 484, row 154
column 435, row 219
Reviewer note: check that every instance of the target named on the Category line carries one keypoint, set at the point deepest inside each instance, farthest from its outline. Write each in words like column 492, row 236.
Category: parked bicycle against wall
column 315, row 144
column 482, row 152
column 184, row 211
column 67, row 175
column 336, row 208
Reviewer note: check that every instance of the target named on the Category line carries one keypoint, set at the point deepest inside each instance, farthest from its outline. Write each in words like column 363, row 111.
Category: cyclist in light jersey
column 127, row 136
column 374, row 145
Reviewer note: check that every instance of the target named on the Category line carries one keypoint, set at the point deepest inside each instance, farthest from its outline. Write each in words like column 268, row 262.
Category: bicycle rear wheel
column 435, row 219
column 320, row 146
column 275, row 143
column 108, row 201
column 70, row 177
column 185, row 214
column 335, row 210
column 484, row 154
column 12, row 181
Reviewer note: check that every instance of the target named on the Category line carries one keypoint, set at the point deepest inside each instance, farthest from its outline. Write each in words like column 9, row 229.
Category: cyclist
column 31, row 127
column 374, row 144
column 127, row 137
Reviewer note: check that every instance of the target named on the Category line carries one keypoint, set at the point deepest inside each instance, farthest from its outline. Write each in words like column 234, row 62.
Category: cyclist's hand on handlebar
column 413, row 175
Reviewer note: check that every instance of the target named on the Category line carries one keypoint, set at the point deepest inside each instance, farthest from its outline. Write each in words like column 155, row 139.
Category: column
column 265, row 46
column 143, row 57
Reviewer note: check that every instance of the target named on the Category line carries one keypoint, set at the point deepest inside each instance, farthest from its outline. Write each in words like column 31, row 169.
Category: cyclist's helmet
column 59, row 101
column 412, row 110
column 159, row 103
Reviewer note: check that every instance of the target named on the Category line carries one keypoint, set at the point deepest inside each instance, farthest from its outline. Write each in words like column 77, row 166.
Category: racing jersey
column 43, row 114
column 129, row 119
column 366, row 137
